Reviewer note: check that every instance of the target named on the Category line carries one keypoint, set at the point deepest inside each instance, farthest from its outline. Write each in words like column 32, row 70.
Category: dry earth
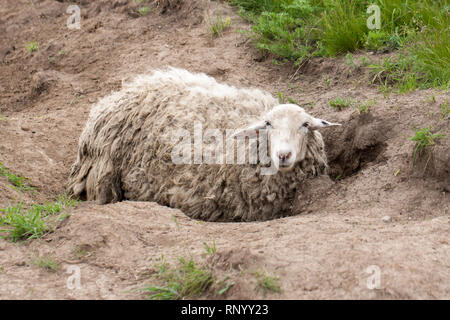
column 323, row 252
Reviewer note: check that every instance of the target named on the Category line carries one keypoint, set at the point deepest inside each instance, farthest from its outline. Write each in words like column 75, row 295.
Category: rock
column 386, row 219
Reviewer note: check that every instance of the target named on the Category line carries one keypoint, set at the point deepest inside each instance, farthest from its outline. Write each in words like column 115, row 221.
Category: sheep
column 128, row 149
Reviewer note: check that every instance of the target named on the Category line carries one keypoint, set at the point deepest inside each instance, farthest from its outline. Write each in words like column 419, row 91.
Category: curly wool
column 125, row 150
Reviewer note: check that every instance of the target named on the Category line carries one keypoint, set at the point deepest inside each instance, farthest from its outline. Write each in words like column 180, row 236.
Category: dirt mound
column 377, row 209
column 360, row 141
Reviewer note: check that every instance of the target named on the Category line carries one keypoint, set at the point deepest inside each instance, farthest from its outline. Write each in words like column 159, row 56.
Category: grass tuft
column 267, row 283
column 186, row 280
column 17, row 182
column 32, row 46
column 18, row 223
column 219, row 25
column 424, row 139
column 47, row 263
column 340, row 103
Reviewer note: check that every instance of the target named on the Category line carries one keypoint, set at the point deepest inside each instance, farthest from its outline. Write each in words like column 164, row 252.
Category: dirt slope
column 321, row 253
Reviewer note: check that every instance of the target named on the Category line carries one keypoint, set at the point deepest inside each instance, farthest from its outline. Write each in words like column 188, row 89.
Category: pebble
column 386, row 219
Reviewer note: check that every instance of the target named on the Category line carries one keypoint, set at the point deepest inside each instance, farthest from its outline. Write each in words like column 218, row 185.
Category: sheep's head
column 287, row 127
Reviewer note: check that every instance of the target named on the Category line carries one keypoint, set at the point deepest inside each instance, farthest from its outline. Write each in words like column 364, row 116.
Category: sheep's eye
column 268, row 124
column 306, row 125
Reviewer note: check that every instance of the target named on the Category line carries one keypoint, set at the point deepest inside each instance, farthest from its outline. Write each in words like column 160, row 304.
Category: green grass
column 17, row 182
column 211, row 250
column 185, row 280
column 19, row 223
column 424, row 140
column 364, row 107
column 340, row 103
column 267, row 283
column 144, row 10
column 32, row 46
column 47, row 263
column 295, row 30
column 219, row 25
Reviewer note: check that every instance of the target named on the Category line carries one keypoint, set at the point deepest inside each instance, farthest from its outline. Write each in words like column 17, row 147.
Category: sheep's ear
column 251, row 131
column 317, row 123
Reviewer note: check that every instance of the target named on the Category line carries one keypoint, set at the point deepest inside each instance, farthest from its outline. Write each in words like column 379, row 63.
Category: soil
column 377, row 208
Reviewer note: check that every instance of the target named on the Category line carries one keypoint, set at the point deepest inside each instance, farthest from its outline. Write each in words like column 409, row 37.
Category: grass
column 186, row 280
column 144, row 10
column 296, row 30
column 211, row 250
column 17, row 182
column 445, row 110
column 364, row 107
column 267, row 283
column 219, row 25
column 424, row 139
column 47, row 263
column 32, row 46
column 340, row 103
column 19, row 223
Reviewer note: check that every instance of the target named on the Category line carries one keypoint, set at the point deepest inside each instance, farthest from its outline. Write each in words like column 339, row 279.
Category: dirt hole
column 358, row 143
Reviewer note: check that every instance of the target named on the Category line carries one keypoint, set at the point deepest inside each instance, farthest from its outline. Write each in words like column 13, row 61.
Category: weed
column 424, row 139
column 144, row 10
column 365, row 106
column 210, row 250
column 218, row 26
column 32, row 46
column 18, row 182
column 267, row 283
column 186, row 280
column 340, row 103
column 46, row 263
column 18, row 223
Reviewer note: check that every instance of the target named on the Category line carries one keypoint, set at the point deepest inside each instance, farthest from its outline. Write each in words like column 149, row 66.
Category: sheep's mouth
column 284, row 167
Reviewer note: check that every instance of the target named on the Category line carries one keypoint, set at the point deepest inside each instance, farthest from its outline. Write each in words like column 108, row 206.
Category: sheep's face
column 287, row 127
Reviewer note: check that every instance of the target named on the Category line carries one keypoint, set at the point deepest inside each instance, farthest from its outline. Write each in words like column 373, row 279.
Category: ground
column 377, row 209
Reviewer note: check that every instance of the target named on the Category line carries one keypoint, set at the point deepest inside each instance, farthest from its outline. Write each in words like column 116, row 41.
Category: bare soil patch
column 321, row 252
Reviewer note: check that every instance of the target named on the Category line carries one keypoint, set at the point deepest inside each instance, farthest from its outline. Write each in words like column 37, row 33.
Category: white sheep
column 131, row 145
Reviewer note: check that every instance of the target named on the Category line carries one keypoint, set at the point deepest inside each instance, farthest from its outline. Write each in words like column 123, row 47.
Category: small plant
column 424, row 139
column 219, row 25
column 17, row 223
column 350, row 62
column 32, row 46
column 210, row 250
column 186, row 280
column 267, row 283
column 340, row 103
column 280, row 97
column 17, row 182
column 62, row 52
column 144, row 10
column 365, row 106
column 47, row 263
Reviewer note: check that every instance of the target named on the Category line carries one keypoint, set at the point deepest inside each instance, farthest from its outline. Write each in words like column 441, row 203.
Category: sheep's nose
column 283, row 156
